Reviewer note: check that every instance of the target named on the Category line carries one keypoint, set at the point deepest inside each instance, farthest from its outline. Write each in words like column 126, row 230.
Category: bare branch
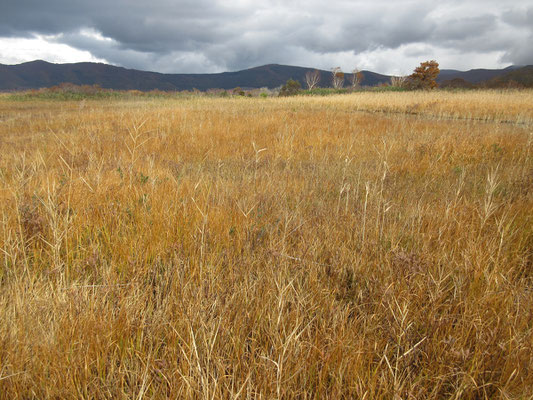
column 356, row 78
column 397, row 81
column 337, row 77
column 312, row 78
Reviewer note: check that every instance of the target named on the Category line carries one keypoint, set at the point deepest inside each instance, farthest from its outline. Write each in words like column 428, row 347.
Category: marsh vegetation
column 369, row 245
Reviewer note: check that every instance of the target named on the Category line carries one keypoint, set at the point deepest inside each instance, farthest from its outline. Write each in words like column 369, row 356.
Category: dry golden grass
column 374, row 245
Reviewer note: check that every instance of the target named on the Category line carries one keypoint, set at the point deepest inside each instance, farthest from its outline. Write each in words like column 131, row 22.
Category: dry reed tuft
column 371, row 245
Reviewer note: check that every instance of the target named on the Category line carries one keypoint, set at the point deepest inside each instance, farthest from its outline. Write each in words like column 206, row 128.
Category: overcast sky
column 184, row 36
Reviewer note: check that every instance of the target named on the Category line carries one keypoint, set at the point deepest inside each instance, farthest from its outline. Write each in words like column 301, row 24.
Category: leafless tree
column 397, row 81
column 356, row 78
column 337, row 77
column 312, row 78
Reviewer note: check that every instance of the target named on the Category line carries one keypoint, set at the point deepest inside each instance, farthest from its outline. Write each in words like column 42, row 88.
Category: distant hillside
column 456, row 83
column 40, row 74
column 521, row 77
column 473, row 75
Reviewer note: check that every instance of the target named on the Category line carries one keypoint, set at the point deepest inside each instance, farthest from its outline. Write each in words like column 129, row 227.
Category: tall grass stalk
column 370, row 245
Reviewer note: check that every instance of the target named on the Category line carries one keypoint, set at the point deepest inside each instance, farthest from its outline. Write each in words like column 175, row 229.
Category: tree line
column 423, row 77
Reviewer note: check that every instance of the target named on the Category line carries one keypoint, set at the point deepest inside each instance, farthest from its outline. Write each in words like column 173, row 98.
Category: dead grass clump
column 32, row 222
column 371, row 245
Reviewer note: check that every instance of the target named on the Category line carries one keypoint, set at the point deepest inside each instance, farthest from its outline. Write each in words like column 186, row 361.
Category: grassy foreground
column 373, row 245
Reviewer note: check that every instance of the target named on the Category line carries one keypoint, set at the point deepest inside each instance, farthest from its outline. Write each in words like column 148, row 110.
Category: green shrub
column 291, row 88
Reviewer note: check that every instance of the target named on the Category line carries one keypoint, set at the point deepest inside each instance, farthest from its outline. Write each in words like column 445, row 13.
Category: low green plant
column 291, row 88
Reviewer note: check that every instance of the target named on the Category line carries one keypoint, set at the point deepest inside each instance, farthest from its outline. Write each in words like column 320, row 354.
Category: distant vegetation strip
column 40, row 74
column 68, row 92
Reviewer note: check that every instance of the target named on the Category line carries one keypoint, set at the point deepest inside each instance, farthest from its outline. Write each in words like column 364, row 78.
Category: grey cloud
column 211, row 35
column 519, row 54
column 463, row 28
column 417, row 50
column 522, row 17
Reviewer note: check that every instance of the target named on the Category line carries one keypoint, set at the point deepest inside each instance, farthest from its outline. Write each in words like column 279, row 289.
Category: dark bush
column 291, row 88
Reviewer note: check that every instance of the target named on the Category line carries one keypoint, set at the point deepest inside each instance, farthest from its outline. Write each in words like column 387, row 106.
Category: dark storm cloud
column 460, row 29
column 210, row 35
column 519, row 17
column 520, row 52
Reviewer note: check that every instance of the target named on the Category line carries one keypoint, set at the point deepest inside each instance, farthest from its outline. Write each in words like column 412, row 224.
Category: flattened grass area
column 371, row 245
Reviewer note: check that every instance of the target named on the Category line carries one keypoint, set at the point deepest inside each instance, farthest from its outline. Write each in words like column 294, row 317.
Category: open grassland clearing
column 372, row 245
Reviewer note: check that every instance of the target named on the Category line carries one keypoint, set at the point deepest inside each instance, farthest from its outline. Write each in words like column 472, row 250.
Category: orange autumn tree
column 425, row 76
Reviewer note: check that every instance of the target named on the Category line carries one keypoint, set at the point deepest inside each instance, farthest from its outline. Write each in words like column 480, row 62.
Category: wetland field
column 357, row 246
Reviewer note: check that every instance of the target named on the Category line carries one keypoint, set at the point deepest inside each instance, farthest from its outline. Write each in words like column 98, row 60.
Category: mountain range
column 42, row 74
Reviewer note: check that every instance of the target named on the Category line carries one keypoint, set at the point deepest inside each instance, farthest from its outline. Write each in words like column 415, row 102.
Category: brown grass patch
column 373, row 245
